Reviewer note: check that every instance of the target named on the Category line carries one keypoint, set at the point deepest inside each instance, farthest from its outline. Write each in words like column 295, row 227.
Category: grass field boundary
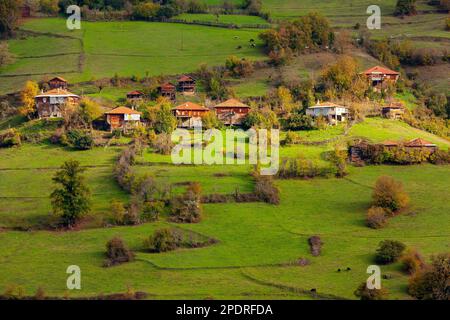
column 295, row 290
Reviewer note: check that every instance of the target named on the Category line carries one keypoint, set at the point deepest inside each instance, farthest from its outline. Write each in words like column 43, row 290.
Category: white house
column 334, row 113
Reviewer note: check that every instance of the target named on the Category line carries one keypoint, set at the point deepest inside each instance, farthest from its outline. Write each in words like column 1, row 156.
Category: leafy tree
column 89, row 111
column 339, row 159
column 72, row 198
column 405, row 8
column 165, row 122
column 433, row 282
column 146, row 10
column 30, row 90
column 9, row 16
column 238, row 67
column 117, row 252
column 389, row 194
column 210, row 121
column 80, row 140
column 389, row 251
column 341, row 75
column 50, row 7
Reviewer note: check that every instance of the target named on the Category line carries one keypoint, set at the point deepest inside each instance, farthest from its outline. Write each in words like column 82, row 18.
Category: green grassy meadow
column 123, row 48
column 257, row 242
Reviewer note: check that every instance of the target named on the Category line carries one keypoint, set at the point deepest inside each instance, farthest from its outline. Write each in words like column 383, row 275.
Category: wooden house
column 122, row 118
column 50, row 103
column 135, row 95
column 379, row 77
column 333, row 112
column 232, row 112
column 189, row 114
column 57, row 83
column 168, row 90
column 186, row 84
column 393, row 111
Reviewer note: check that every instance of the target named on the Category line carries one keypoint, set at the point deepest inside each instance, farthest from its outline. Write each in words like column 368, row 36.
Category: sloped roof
column 191, row 107
column 419, row 142
column 58, row 78
column 185, row 78
column 232, row 103
column 326, row 104
column 380, row 70
column 167, row 85
column 57, row 93
column 123, row 110
column 134, row 93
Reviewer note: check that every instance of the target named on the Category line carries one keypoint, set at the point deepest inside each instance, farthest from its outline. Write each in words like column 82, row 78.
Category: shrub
column 315, row 244
column 163, row 240
column 117, row 252
column 389, row 194
column 389, row 251
column 412, row 261
column 266, row 190
column 365, row 293
column 376, row 218
column 152, row 210
column 440, row 157
column 118, row 211
column 80, row 140
column 433, row 282
column 405, row 7
column 163, row 144
column 187, row 208
column 40, row 294
column 10, row 138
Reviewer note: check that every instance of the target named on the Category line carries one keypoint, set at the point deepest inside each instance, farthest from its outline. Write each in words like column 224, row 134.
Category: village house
column 135, row 95
column 122, row 118
column 393, row 112
column 379, row 77
column 232, row 112
column 189, row 114
column 25, row 11
column 168, row 90
column 57, row 83
column 50, row 103
column 186, row 85
column 334, row 113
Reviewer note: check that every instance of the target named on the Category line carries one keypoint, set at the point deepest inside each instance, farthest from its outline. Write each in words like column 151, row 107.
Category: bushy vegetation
column 412, row 261
column 308, row 33
column 80, row 139
column 365, row 293
column 266, row 190
column 389, row 251
column 187, row 208
column 10, row 138
column 405, row 8
column 117, row 252
column 389, row 194
column 432, row 282
column 376, row 218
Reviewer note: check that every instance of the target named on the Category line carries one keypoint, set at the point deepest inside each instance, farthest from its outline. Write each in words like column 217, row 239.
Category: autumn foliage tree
column 9, row 16
column 30, row 90
column 389, row 194
column 71, row 199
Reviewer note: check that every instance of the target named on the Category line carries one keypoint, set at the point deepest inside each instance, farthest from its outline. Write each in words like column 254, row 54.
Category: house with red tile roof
column 123, row 118
column 135, row 95
column 189, row 114
column 379, row 77
column 232, row 111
